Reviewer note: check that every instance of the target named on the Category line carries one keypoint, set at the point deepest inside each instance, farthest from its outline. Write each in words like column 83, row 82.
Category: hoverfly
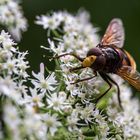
column 109, row 57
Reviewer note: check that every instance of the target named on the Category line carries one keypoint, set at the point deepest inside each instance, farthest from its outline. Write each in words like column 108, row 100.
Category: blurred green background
column 101, row 11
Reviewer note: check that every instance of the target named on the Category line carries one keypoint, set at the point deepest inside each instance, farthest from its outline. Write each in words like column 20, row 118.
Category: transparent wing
column 130, row 75
column 114, row 34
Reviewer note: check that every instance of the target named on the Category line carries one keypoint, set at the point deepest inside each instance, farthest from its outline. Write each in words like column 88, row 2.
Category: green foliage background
column 101, row 11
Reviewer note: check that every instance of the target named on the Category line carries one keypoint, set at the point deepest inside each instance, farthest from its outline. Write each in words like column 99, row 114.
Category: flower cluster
column 58, row 106
column 75, row 33
column 129, row 119
column 12, row 68
column 12, row 18
column 12, row 78
column 20, row 103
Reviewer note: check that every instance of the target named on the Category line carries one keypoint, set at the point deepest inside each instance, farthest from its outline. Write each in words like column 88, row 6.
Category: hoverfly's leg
column 85, row 79
column 108, row 82
column 118, row 89
column 76, row 68
column 73, row 54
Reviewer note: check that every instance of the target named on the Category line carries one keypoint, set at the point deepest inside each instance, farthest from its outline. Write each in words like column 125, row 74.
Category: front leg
column 72, row 54
column 85, row 79
column 76, row 68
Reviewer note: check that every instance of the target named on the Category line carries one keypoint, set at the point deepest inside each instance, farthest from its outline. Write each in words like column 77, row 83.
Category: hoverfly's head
column 92, row 58
column 94, row 51
column 88, row 61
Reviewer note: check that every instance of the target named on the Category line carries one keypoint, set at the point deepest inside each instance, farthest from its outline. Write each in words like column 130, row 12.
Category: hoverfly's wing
column 130, row 75
column 131, row 60
column 114, row 34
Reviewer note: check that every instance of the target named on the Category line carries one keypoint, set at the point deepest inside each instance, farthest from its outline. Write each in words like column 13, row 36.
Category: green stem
column 56, row 33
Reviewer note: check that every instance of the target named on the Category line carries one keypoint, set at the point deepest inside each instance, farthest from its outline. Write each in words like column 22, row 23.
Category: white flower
column 21, row 27
column 11, row 16
column 10, row 65
column 33, row 124
column 21, row 87
column 22, row 65
column 57, row 50
column 42, row 83
column 4, row 55
column 57, row 101
column 11, row 116
column 7, row 42
column 72, row 120
column 86, row 113
column 35, row 99
column 72, row 88
column 12, row 120
column 43, row 20
column 51, row 122
column 51, row 22
column 104, row 130
column 8, row 88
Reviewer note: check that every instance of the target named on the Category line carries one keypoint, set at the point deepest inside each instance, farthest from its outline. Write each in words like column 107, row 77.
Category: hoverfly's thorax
column 113, row 59
column 99, row 63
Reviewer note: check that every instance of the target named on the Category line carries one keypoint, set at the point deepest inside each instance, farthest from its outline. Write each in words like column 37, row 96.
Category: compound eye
column 94, row 51
column 92, row 58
